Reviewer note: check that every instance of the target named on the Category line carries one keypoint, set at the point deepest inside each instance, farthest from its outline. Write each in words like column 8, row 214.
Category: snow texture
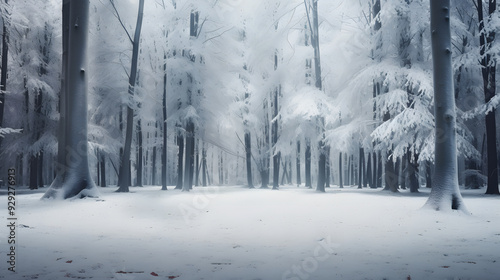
column 237, row 233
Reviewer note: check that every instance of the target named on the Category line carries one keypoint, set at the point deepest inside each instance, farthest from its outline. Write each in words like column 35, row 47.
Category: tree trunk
column 445, row 193
column 248, row 158
column 189, row 160
column 103, row 170
column 412, row 167
column 153, row 157
column 33, row 172
column 299, row 180
column 40, row 164
column 360, row 168
column 341, row 162
column 489, row 84
column 74, row 179
column 391, row 177
column 403, row 175
column 204, row 165
column 164, row 111
column 125, row 161
column 379, row 171
column 265, row 160
column 139, row 160
column 308, row 163
column 180, row 158
column 348, row 171
column 327, row 166
column 197, row 163
column 276, row 154
column 375, row 171
column 368, row 175
column 3, row 75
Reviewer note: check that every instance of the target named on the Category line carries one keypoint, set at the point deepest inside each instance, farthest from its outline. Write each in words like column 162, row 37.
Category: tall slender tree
column 124, row 174
column 3, row 70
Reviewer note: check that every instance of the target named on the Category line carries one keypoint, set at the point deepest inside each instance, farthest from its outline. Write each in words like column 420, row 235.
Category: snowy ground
column 236, row 233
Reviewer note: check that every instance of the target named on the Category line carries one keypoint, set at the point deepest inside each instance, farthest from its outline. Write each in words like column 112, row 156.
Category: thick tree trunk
column 74, row 179
column 391, row 177
column 321, row 121
column 125, row 161
column 489, row 84
column 445, row 194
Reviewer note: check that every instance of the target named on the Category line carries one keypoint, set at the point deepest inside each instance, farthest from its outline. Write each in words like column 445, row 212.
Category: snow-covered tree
column 445, row 193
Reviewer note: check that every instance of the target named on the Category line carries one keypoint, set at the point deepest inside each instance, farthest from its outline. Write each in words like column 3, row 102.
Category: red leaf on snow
column 173, row 277
column 154, row 274
column 69, row 261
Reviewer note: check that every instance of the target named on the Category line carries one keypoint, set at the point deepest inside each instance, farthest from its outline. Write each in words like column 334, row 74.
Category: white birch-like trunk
column 445, row 194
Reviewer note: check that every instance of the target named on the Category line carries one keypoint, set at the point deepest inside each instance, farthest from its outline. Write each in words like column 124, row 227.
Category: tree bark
column 360, row 168
column 308, row 163
column 74, row 179
column 486, row 39
column 276, row 154
column 164, row 111
column 3, row 75
column 103, row 170
column 369, row 176
column 180, row 158
column 125, row 161
column 139, row 160
column 341, row 162
column 445, row 194
column 248, row 158
column 299, row 180
column 204, row 165
column 189, row 160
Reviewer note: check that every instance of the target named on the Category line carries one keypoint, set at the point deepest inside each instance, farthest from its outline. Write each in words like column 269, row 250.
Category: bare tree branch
column 117, row 15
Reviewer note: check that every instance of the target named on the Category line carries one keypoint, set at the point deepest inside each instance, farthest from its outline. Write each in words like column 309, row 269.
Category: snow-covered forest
column 296, row 96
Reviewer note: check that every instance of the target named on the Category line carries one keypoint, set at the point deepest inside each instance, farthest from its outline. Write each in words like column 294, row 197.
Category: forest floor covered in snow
column 238, row 233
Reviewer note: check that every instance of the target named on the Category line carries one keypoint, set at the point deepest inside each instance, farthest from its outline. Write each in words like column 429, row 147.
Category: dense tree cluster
column 185, row 93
